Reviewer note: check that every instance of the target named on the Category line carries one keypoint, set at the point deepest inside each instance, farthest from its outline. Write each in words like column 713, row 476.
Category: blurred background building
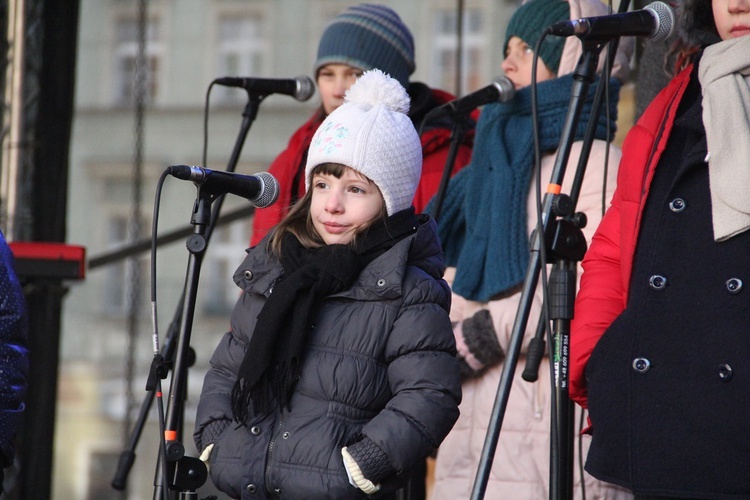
column 141, row 73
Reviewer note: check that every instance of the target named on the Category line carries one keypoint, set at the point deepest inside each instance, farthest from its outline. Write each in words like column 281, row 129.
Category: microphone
column 262, row 190
column 500, row 90
column 301, row 88
column 654, row 21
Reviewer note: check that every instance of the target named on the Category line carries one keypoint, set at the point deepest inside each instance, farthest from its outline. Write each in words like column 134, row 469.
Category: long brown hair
column 299, row 221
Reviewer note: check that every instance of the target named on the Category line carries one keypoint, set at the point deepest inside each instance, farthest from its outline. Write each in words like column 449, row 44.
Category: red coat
column 608, row 262
column 435, row 148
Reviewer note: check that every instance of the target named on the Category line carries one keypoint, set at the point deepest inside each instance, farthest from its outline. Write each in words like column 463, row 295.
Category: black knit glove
column 370, row 461
column 478, row 347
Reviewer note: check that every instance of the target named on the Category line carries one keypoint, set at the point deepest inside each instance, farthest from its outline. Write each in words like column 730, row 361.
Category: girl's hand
column 206, row 455
column 356, row 478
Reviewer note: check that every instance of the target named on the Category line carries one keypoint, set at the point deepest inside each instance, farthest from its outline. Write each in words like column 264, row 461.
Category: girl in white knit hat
column 339, row 374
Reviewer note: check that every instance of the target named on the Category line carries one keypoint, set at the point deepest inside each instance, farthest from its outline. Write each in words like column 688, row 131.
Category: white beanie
column 372, row 134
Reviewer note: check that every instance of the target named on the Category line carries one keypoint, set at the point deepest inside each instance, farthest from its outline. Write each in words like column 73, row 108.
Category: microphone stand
column 162, row 363
column 183, row 473
column 536, row 347
column 565, row 242
column 458, row 132
column 175, row 416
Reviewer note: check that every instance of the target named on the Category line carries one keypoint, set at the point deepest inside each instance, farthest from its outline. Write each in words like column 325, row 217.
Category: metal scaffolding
column 20, row 106
column 38, row 50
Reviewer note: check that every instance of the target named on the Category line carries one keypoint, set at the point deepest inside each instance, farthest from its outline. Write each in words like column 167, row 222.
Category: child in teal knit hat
column 529, row 22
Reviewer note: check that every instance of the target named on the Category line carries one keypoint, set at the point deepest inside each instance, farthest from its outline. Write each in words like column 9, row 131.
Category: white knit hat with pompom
column 372, row 134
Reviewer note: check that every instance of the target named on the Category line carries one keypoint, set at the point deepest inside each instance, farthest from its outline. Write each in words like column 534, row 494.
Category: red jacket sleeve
column 600, row 300
column 433, row 165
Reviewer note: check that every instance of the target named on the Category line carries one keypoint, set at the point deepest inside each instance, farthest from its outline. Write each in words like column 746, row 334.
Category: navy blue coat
column 14, row 360
column 668, row 380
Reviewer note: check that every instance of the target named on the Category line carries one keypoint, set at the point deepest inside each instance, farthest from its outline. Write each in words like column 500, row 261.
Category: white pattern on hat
column 372, row 134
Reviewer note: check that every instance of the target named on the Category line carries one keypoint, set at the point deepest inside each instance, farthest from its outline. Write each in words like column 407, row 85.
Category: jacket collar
column 382, row 278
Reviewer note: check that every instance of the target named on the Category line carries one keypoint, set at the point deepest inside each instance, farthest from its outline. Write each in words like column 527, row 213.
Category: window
column 445, row 48
column 241, row 46
column 118, row 292
column 126, row 52
column 115, row 292
column 119, row 285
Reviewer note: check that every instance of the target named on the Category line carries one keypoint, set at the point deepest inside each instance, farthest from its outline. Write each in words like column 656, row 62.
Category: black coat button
column 657, row 282
column 677, row 205
column 255, row 430
column 734, row 285
column 248, row 274
column 251, row 488
column 725, row 372
column 641, row 365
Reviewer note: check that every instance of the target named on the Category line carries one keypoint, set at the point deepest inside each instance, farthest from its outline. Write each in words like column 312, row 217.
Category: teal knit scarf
column 483, row 220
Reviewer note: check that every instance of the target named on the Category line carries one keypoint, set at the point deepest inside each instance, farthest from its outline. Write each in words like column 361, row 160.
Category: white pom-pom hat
column 372, row 134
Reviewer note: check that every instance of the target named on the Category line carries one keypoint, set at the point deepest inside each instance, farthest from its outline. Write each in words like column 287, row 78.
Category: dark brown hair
column 299, row 222
column 696, row 29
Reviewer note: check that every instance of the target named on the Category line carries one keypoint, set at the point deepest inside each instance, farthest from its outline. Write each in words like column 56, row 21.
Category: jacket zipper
column 271, row 446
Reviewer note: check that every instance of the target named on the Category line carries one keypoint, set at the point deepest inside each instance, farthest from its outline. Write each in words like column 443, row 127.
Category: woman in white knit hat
column 339, row 374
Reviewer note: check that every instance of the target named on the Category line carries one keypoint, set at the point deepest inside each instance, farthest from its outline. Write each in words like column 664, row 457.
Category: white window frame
column 125, row 54
column 445, row 45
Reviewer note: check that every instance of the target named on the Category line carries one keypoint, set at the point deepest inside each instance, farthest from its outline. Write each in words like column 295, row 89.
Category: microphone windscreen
column 270, row 191
column 665, row 19
column 305, row 88
column 506, row 87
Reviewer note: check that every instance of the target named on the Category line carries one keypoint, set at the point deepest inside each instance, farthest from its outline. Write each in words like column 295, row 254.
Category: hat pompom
column 372, row 134
column 375, row 87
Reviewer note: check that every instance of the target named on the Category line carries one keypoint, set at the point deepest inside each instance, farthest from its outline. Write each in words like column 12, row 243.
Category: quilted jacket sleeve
column 215, row 406
column 423, row 373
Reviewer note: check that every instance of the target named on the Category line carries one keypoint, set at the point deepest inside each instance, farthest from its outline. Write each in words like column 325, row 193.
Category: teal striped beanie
column 368, row 36
column 529, row 22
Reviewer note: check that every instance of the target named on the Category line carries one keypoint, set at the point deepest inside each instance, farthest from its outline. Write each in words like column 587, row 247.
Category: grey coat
column 380, row 375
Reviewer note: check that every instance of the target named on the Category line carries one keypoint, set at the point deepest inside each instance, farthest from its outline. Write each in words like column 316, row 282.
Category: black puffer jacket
column 380, row 375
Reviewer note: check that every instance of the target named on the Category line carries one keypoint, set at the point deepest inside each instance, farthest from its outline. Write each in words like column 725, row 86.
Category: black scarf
column 273, row 358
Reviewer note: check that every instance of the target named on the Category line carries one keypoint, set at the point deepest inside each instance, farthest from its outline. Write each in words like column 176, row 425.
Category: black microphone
column 500, row 90
column 655, row 21
column 262, row 190
column 301, row 88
